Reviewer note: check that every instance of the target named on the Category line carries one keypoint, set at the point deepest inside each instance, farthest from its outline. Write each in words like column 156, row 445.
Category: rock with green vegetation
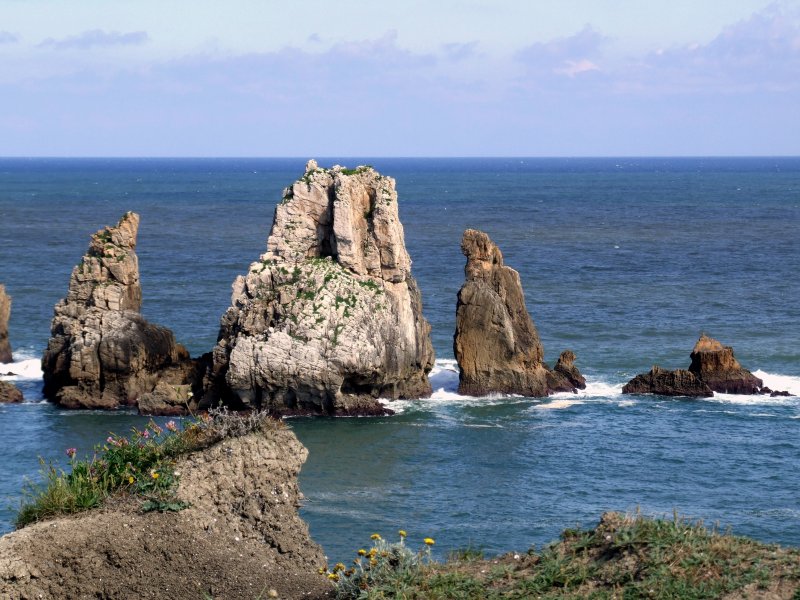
column 329, row 319
column 496, row 343
column 624, row 556
column 102, row 353
column 5, row 314
column 230, row 530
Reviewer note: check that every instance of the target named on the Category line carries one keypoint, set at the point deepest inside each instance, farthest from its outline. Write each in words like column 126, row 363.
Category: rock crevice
column 5, row 314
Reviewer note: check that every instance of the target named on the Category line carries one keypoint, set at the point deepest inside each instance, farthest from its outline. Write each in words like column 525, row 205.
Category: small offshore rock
column 9, row 393
column 5, row 314
column 715, row 365
column 667, row 383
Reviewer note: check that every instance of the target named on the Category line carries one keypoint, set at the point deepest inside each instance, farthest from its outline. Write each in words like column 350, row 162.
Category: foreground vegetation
column 625, row 556
column 140, row 465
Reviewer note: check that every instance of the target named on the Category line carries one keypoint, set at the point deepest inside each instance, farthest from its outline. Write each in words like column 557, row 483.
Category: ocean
column 625, row 261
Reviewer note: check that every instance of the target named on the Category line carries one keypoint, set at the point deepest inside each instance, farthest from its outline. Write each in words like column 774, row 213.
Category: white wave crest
column 779, row 383
column 29, row 368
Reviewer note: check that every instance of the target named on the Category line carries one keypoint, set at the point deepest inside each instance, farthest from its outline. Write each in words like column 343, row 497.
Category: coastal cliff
column 240, row 536
column 496, row 343
column 102, row 353
column 329, row 319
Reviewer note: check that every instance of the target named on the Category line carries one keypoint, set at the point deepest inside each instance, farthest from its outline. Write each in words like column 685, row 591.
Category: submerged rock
column 329, row 319
column 9, row 393
column 716, row 366
column 102, row 353
column 496, row 343
column 667, row 383
column 240, row 536
column 5, row 313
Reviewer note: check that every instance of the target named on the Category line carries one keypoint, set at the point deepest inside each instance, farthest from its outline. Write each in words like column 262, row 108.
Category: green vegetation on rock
column 625, row 556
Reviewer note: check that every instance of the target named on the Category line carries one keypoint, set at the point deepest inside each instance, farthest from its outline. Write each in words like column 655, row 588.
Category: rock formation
column 716, row 366
column 102, row 353
column 9, row 393
column 667, row 383
column 713, row 369
column 5, row 313
column 240, row 537
column 496, row 343
column 329, row 319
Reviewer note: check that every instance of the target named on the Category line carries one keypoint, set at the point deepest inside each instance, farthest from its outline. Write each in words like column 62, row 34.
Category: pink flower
column 171, row 426
column 146, row 434
column 71, row 452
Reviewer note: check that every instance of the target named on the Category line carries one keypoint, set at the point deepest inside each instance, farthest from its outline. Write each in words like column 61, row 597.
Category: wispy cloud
column 458, row 51
column 95, row 38
column 6, row 37
column 569, row 55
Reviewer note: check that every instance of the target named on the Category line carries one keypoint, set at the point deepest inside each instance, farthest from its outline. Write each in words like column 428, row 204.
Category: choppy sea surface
column 624, row 261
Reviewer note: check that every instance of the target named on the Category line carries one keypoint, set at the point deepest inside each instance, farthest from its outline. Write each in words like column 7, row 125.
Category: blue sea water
column 624, row 261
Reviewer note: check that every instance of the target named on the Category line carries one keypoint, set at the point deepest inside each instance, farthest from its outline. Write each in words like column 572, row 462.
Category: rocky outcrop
column 716, row 366
column 102, row 353
column 240, row 537
column 5, row 313
column 329, row 319
column 496, row 343
column 713, row 369
column 9, row 393
column 565, row 376
column 667, row 383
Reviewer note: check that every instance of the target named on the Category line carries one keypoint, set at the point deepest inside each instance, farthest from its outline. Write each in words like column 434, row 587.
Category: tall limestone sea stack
column 496, row 343
column 329, row 319
column 102, row 353
column 5, row 314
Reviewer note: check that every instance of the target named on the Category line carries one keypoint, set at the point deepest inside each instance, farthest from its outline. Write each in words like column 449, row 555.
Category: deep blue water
column 625, row 261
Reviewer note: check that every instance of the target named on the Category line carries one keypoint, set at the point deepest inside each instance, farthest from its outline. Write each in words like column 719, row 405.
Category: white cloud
column 95, row 38
column 6, row 37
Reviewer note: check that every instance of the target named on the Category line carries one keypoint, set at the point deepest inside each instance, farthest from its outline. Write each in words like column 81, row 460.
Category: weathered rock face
column 5, row 314
column 240, row 537
column 496, row 343
column 716, row 366
column 713, row 369
column 102, row 353
column 565, row 376
column 329, row 319
column 667, row 383
column 9, row 393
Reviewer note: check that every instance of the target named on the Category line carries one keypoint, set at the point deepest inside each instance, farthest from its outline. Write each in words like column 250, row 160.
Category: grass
column 625, row 557
column 141, row 465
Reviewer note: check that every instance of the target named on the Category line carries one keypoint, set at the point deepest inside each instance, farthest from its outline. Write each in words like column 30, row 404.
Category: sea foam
column 25, row 369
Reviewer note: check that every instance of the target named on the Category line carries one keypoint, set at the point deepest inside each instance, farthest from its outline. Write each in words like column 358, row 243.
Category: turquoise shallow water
column 625, row 261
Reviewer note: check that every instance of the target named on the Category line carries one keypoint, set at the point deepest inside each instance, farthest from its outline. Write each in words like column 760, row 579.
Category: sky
column 403, row 78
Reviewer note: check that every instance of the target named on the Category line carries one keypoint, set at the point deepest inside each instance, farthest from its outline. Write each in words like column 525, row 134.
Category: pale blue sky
column 403, row 78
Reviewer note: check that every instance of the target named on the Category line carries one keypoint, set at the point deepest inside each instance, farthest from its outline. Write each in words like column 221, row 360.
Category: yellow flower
column 362, row 552
column 429, row 541
column 131, row 479
column 373, row 562
column 375, row 536
column 333, row 576
column 154, row 474
column 402, row 533
column 322, row 570
column 373, row 551
column 338, row 567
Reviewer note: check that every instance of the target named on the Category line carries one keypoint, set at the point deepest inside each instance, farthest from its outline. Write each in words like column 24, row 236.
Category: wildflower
column 156, row 429
column 429, row 541
column 131, row 479
column 362, row 552
column 321, row 570
column 155, row 474
column 372, row 562
column 333, row 576
column 71, row 452
column 146, row 434
column 171, row 426
column 375, row 536
column 402, row 533
column 111, row 440
column 338, row 567
column 373, row 551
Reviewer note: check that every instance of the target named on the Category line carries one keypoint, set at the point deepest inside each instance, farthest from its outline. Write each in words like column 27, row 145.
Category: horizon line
column 375, row 156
